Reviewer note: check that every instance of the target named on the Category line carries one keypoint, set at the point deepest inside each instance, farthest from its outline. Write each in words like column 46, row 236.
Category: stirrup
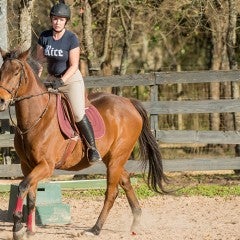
column 93, row 155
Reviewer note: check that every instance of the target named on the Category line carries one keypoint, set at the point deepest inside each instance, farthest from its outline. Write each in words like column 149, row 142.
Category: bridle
column 18, row 99
column 22, row 75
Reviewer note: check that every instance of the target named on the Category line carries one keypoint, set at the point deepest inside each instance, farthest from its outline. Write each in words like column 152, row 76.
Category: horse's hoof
column 20, row 235
column 88, row 233
column 30, row 233
column 94, row 231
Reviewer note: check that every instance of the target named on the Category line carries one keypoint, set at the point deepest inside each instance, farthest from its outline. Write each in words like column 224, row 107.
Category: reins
column 37, row 121
column 18, row 99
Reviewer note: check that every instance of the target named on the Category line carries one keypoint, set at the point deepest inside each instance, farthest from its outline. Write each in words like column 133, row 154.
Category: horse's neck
column 34, row 103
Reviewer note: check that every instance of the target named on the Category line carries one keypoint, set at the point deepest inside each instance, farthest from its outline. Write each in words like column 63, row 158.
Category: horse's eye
column 16, row 73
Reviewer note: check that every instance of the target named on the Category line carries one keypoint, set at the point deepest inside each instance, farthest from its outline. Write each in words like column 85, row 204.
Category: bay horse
column 40, row 144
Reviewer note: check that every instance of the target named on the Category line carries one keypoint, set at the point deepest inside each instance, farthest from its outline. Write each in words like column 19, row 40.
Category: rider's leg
column 75, row 90
column 85, row 128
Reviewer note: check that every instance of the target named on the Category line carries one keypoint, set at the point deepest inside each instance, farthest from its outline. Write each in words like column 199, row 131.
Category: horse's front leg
column 31, row 205
column 18, row 230
column 28, row 186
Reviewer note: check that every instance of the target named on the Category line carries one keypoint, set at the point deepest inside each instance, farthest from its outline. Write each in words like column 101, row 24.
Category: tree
column 222, row 17
column 3, row 27
column 127, row 18
column 94, row 60
column 25, row 24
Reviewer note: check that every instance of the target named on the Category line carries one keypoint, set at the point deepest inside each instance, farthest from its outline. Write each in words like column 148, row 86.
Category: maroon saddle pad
column 67, row 123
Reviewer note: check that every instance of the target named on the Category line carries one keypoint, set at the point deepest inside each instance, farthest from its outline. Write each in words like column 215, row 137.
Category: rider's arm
column 40, row 58
column 74, row 55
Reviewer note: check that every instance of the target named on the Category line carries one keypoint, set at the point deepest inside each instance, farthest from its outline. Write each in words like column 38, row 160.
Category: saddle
column 68, row 127
column 67, row 122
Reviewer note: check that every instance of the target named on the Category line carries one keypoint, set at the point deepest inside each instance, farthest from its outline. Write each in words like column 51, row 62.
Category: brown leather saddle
column 68, row 127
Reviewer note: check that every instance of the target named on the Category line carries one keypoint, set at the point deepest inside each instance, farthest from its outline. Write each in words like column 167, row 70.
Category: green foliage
column 163, row 30
column 78, row 194
column 142, row 191
column 210, row 191
column 188, row 185
column 75, row 22
column 4, row 195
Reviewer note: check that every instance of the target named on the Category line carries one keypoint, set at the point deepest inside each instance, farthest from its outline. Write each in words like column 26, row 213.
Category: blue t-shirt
column 57, row 51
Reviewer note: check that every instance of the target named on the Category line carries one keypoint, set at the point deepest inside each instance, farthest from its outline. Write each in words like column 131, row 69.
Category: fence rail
column 155, row 108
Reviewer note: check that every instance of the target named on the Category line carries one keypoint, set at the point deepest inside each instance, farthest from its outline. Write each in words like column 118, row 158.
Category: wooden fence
column 156, row 108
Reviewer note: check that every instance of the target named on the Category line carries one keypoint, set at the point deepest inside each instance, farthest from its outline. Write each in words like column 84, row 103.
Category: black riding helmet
column 60, row 10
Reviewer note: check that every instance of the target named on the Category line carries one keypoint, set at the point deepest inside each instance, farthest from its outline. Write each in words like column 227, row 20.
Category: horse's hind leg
column 125, row 183
column 117, row 176
column 113, row 177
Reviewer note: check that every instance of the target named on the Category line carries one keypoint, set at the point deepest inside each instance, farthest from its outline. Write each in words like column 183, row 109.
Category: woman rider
column 60, row 48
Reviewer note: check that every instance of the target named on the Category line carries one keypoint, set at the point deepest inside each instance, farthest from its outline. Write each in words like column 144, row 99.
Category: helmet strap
column 57, row 31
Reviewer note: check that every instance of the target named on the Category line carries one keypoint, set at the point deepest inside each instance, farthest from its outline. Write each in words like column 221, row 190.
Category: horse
column 40, row 144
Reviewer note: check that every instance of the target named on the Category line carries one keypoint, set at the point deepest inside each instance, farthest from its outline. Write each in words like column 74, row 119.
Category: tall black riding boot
column 85, row 129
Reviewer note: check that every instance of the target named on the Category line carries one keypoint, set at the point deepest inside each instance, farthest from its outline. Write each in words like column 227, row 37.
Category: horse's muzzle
column 3, row 105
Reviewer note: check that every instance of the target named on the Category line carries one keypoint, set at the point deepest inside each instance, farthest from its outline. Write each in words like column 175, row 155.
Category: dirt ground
column 164, row 217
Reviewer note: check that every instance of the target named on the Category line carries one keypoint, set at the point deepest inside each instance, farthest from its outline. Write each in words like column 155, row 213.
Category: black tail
column 150, row 152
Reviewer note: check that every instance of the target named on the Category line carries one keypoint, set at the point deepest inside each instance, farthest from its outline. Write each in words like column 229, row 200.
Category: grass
column 210, row 191
column 216, row 185
column 143, row 192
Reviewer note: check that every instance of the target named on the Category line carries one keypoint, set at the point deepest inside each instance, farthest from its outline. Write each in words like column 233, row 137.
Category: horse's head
column 12, row 74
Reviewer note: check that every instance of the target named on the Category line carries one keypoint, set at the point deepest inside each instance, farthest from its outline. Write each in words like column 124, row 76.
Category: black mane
column 11, row 55
column 34, row 64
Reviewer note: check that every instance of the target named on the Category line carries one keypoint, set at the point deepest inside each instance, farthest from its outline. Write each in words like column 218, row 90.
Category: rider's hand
column 48, row 84
column 56, row 83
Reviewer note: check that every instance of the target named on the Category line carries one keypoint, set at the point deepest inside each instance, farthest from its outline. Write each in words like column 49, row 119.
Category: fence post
column 154, row 98
column 5, row 151
column 236, row 117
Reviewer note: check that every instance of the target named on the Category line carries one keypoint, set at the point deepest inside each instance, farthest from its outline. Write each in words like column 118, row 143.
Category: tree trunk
column 3, row 27
column 26, row 9
column 93, row 61
column 231, row 46
column 179, row 91
column 231, row 35
column 217, row 15
column 127, row 21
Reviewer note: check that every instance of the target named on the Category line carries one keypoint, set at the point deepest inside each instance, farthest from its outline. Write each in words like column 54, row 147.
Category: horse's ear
column 24, row 55
column 3, row 53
